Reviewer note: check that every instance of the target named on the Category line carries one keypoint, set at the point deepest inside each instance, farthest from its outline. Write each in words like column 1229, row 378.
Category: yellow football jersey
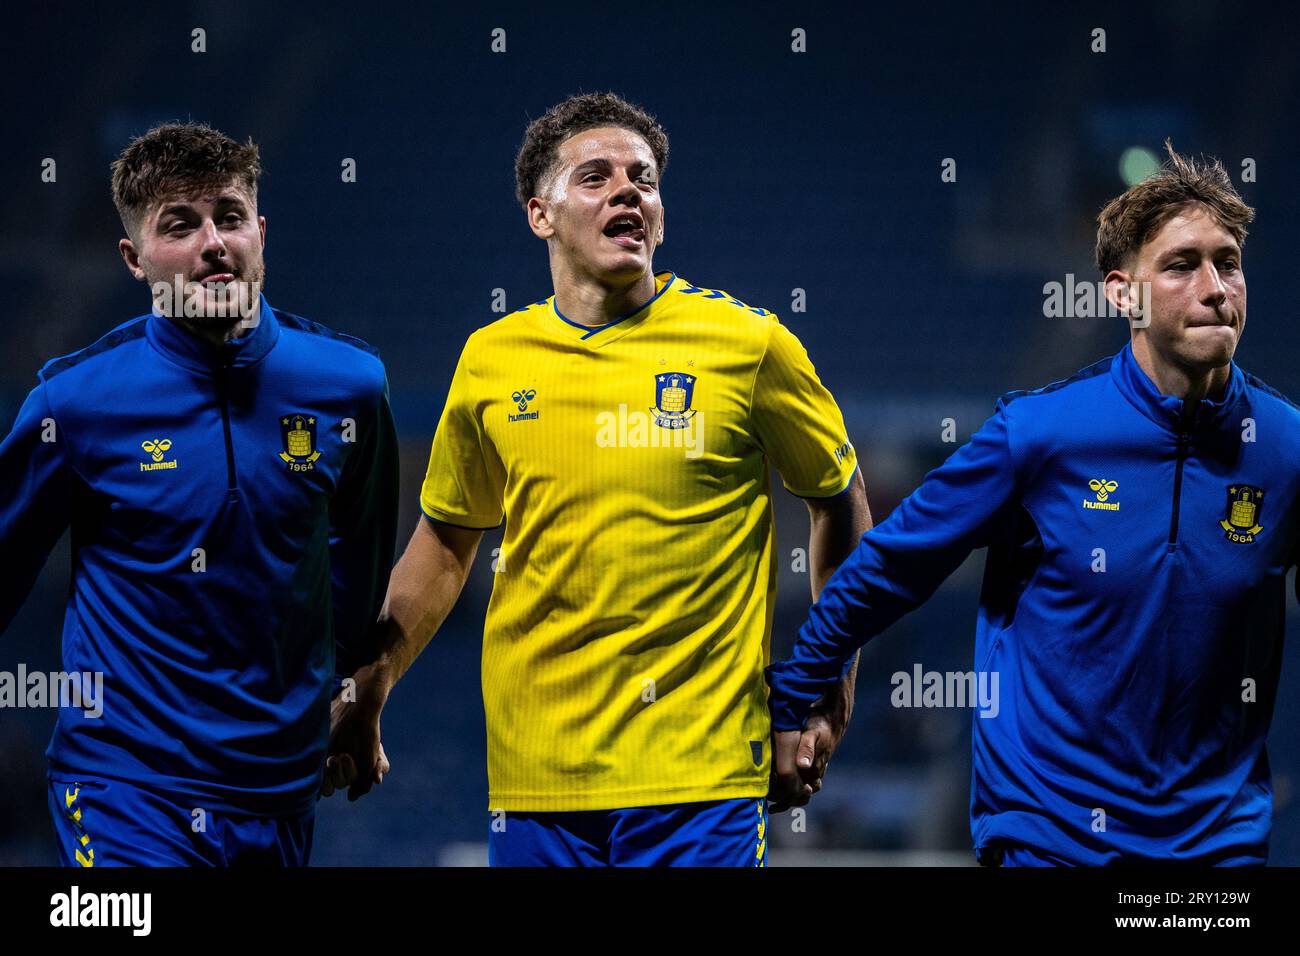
column 628, row 628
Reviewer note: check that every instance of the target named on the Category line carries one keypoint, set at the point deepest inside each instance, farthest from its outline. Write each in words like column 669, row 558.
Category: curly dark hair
column 178, row 157
column 575, row 115
column 1131, row 219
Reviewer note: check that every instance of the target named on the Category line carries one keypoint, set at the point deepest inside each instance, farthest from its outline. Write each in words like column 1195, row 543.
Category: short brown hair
column 575, row 115
column 1131, row 219
column 175, row 157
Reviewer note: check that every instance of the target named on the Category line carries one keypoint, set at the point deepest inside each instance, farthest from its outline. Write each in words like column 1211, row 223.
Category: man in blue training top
column 229, row 473
column 1140, row 519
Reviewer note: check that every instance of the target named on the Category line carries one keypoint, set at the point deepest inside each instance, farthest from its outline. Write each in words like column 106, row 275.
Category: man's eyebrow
column 1195, row 251
column 598, row 163
column 184, row 205
column 602, row 163
column 176, row 208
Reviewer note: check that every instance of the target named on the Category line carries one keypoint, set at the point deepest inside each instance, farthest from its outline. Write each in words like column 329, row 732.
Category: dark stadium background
column 817, row 171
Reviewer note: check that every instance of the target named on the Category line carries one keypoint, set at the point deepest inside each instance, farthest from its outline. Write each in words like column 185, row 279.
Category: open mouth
column 627, row 231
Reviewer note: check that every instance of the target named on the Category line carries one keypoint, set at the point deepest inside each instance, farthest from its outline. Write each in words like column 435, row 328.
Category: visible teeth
column 622, row 225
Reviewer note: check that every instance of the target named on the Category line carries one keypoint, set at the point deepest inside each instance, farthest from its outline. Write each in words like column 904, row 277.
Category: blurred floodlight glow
column 1137, row 163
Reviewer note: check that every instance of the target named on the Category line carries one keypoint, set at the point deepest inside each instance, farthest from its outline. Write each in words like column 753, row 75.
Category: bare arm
column 799, row 758
column 422, row 590
column 836, row 526
column 421, row 593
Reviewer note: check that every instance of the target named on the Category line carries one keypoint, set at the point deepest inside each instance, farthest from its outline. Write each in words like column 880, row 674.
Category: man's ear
column 663, row 215
column 1121, row 292
column 539, row 218
column 1131, row 298
column 126, row 248
column 261, row 227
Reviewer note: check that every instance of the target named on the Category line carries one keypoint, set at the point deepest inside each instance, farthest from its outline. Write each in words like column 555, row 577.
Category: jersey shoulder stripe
column 126, row 332
column 297, row 323
column 1092, row 371
column 1256, row 383
column 703, row 294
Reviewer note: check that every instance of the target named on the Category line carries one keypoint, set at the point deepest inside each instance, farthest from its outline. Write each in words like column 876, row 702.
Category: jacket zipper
column 231, row 484
column 1184, row 429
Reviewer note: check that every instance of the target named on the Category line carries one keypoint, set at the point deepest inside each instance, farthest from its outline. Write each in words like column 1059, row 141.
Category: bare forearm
column 422, row 590
column 411, row 616
column 836, row 525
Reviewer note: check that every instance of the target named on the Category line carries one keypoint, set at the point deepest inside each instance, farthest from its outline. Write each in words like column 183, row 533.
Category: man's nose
column 625, row 191
column 1213, row 291
column 213, row 244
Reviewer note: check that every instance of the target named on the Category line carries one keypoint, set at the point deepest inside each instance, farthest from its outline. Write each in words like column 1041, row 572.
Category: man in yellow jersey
column 622, row 428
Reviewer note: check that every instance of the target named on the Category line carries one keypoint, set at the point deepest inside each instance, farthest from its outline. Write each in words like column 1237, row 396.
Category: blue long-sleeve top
column 233, row 517
column 1133, row 609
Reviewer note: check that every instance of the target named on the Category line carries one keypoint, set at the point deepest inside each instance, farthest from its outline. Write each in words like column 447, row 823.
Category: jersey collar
column 1167, row 411
column 598, row 335
column 199, row 355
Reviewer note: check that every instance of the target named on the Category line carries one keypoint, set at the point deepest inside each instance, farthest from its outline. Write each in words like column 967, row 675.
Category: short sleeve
column 796, row 422
column 465, row 481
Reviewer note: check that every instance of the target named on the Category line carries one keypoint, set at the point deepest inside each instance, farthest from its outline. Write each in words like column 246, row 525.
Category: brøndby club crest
column 673, row 391
column 1242, row 521
column 298, row 435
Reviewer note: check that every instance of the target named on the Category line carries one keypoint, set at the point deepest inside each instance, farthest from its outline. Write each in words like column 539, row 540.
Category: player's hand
column 822, row 733
column 786, row 787
column 356, row 759
column 799, row 758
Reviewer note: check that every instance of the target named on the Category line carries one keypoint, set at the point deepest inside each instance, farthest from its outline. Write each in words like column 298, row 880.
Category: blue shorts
column 715, row 833
column 99, row 822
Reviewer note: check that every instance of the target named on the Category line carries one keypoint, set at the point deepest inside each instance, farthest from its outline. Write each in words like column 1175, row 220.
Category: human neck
column 582, row 299
column 1176, row 381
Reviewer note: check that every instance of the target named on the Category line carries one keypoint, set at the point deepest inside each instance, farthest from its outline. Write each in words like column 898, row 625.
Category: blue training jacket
column 233, row 515
column 1133, row 609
